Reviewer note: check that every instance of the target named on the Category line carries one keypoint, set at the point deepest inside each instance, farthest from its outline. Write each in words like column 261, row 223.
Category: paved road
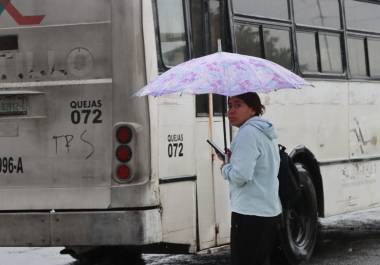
column 345, row 240
column 351, row 239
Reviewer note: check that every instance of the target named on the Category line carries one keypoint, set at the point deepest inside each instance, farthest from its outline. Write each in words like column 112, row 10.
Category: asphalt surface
column 352, row 239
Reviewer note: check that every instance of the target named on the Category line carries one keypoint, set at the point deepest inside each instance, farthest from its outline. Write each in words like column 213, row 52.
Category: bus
column 84, row 163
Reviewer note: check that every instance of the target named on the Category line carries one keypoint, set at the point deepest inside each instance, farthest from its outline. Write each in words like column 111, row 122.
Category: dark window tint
column 277, row 46
column 362, row 15
column 172, row 31
column 197, row 28
column 205, row 25
column 201, row 102
column 307, row 52
column 263, row 8
column 206, row 32
column 374, row 57
column 248, row 40
column 215, row 24
column 331, row 56
column 356, row 56
column 317, row 13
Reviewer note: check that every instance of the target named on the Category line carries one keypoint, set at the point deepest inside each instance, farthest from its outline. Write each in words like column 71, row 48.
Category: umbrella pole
column 223, row 106
column 224, row 122
column 210, row 116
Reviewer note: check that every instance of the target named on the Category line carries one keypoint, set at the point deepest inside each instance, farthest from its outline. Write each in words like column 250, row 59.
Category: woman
column 252, row 175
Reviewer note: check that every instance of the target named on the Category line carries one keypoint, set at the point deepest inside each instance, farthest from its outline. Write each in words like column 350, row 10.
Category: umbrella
column 223, row 73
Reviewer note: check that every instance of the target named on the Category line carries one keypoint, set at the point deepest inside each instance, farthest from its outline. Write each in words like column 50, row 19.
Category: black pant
column 253, row 238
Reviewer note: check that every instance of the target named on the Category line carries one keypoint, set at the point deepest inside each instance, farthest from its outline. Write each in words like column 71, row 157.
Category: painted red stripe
column 4, row 2
column 18, row 17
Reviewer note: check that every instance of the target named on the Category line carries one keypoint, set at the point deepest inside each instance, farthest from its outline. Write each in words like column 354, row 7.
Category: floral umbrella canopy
column 222, row 73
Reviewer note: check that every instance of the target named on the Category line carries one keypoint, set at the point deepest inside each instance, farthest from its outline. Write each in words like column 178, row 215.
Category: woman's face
column 238, row 111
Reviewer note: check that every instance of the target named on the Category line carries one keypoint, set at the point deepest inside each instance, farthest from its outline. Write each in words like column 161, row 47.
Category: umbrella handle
column 224, row 123
column 210, row 116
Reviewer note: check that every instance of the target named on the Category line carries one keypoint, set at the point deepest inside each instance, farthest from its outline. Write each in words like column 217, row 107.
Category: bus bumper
column 87, row 228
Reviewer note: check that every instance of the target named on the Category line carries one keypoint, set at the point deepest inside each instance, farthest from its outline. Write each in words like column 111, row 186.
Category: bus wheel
column 300, row 222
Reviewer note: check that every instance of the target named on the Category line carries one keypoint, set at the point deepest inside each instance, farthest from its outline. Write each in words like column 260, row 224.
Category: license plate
column 13, row 105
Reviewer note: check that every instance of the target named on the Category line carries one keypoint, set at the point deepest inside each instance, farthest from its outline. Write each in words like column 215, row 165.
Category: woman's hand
column 228, row 156
column 229, row 153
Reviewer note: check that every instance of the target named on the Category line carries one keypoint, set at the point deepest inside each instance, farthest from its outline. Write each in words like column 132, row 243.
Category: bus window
column 356, row 10
column 356, row 56
column 374, row 57
column 171, row 24
column 331, row 54
column 307, row 52
column 277, row 46
column 248, row 40
column 206, row 23
column 215, row 21
column 206, row 19
column 197, row 29
column 324, row 13
column 202, row 105
column 277, row 9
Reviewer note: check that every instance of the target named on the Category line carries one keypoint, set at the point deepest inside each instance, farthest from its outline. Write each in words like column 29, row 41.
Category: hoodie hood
column 263, row 125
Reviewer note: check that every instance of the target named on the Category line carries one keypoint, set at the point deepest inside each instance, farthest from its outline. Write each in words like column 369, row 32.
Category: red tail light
column 123, row 172
column 123, row 153
column 124, row 134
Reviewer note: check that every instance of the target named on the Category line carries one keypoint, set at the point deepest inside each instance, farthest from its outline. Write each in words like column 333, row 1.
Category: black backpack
column 288, row 178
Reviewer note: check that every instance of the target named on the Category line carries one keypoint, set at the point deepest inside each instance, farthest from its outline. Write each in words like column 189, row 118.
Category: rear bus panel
column 68, row 70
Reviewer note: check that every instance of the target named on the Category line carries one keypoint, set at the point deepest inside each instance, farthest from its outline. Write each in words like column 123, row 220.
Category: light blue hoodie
column 253, row 168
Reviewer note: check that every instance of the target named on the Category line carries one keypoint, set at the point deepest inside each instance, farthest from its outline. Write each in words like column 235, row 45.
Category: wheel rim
column 298, row 228
column 300, row 222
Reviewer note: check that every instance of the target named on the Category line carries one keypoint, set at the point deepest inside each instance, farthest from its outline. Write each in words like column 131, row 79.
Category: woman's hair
column 253, row 101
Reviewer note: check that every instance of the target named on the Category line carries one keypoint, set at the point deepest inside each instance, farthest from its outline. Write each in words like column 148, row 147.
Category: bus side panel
column 310, row 116
column 317, row 116
column 176, row 167
column 364, row 128
column 178, row 200
column 213, row 195
column 354, row 187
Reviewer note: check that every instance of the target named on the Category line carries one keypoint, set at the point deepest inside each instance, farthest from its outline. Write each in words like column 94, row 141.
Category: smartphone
column 219, row 151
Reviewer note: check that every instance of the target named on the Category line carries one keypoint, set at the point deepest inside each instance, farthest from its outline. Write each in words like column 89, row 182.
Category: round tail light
column 123, row 172
column 123, row 153
column 124, row 134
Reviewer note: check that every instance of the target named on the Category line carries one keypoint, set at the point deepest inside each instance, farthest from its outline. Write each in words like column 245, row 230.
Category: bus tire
column 299, row 226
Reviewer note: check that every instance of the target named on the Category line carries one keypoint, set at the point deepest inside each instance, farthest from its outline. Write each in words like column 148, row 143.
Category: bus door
column 55, row 104
column 208, row 26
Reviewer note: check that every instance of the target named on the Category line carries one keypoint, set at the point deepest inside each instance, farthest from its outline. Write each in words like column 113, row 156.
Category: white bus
column 83, row 163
